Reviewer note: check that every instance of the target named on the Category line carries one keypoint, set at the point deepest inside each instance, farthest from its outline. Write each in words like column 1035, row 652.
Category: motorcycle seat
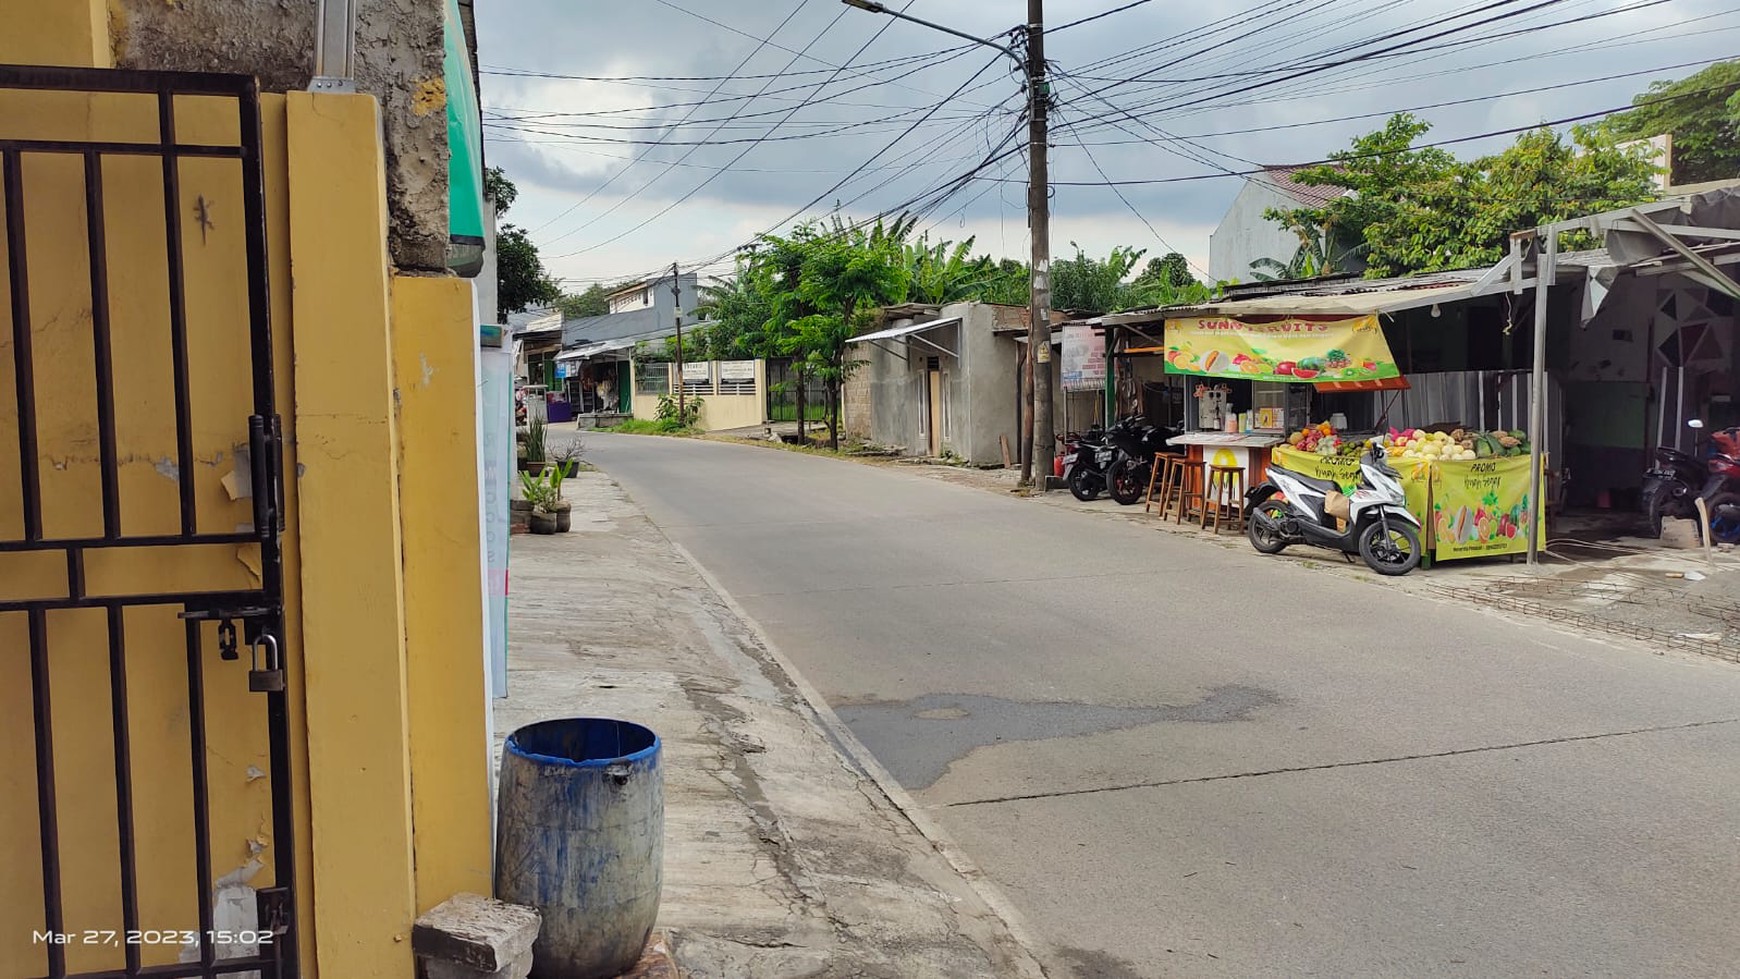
column 1318, row 484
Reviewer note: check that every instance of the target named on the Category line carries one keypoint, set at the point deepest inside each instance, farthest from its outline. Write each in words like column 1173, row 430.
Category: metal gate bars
column 135, row 570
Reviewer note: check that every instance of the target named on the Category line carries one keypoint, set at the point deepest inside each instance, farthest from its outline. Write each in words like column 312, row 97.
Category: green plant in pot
column 563, row 509
column 537, row 446
column 541, row 492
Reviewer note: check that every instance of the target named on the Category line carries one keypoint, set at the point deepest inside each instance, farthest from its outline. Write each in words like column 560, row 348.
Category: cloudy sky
column 642, row 132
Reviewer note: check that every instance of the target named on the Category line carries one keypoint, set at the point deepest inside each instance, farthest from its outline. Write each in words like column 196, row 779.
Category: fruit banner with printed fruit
column 1481, row 508
column 1295, row 349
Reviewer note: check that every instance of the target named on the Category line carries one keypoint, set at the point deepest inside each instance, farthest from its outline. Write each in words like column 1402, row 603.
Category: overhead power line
column 763, row 42
column 1386, row 113
column 753, row 144
column 510, row 72
column 1581, row 117
column 801, row 54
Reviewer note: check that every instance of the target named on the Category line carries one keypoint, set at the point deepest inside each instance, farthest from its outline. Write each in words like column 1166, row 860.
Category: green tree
column 579, row 305
column 1170, row 268
column 1007, row 282
column 1384, row 171
column 521, row 282
column 844, row 273
column 1701, row 111
column 1421, row 209
column 1090, row 285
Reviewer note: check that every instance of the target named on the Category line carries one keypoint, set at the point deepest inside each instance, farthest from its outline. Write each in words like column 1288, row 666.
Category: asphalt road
column 1183, row 760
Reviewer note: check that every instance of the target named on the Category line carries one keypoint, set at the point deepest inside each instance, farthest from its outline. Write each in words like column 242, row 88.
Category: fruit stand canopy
column 1371, row 301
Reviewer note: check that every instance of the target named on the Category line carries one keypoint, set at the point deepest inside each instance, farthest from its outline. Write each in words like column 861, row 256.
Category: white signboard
column 698, row 373
column 1084, row 359
column 736, row 370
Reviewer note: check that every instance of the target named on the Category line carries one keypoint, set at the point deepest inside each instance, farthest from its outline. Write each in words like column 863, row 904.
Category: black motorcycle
column 1672, row 486
column 1138, row 443
column 1086, row 457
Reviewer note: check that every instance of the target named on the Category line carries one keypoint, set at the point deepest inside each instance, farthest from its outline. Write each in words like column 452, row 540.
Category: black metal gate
column 782, row 385
column 210, row 619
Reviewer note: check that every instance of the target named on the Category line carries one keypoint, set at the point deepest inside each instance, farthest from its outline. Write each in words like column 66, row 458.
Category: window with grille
column 652, row 379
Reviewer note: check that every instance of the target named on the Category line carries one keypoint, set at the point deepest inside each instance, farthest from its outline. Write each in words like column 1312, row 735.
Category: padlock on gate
column 267, row 673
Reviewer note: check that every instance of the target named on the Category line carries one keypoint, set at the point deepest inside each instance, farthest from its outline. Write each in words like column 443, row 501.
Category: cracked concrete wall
column 399, row 60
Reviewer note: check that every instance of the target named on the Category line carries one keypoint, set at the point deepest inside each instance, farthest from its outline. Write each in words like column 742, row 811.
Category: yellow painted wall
column 375, row 385
column 57, row 32
column 718, row 411
column 352, row 598
column 726, row 411
column 435, row 358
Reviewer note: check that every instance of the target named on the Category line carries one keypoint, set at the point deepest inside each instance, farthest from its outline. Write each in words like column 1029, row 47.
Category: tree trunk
column 839, row 374
column 802, row 382
column 834, row 414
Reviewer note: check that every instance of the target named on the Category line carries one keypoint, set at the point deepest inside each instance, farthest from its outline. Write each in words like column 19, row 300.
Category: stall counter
column 1246, row 450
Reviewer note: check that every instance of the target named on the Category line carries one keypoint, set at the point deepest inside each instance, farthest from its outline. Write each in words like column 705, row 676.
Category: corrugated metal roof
column 1281, row 178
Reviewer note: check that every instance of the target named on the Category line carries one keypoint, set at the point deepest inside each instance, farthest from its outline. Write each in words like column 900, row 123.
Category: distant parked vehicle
column 1673, row 485
column 1138, row 444
column 1086, row 457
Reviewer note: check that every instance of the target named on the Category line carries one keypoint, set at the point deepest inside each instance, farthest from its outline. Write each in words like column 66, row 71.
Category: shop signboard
column 1308, row 349
column 1339, row 469
column 730, row 370
column 1084, row 359
column 1481, row 508
column 699, row 373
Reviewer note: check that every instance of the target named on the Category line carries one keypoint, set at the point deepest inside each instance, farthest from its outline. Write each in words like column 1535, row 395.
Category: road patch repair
column 920, row 738
column 782, row 856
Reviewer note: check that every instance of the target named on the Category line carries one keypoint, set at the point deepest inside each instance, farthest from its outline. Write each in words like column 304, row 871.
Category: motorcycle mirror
column 1695, row 423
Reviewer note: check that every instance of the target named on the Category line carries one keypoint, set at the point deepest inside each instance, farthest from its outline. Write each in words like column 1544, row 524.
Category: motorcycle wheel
column 1082, row 484
column 1263, row 529
column 1127, row 482
column 1396, row 553
column 1724, row 519
column 1654, row 503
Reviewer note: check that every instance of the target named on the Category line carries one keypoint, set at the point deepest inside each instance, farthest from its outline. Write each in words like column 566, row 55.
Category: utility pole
column 677, row 310
column 1038, row 450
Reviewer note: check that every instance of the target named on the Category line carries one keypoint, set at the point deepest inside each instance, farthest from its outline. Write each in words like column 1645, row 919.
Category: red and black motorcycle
column 1678, row 480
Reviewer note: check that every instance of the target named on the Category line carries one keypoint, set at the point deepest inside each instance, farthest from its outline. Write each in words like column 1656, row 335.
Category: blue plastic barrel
column 580, row 837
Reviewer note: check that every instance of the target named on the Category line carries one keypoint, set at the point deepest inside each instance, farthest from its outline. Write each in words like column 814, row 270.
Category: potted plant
column 563, row 509
column 537, row 446
column 540, row 492
column 567, row 458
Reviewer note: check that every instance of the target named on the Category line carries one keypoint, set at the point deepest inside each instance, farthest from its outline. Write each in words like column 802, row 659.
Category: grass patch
column 642, row 426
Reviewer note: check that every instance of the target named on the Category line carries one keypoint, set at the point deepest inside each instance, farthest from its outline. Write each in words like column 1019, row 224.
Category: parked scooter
column 1673, row 486
column 1137, row 443
column 1086, row 457
column 1293, row 508
column 1721, row 491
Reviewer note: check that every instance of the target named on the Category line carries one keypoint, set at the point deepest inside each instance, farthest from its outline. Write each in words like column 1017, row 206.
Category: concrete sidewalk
column 784, row 853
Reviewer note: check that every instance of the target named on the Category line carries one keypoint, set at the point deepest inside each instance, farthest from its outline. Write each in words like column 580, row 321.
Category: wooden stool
column 1230, row 482
column 1188, row 474
column 1159, row 474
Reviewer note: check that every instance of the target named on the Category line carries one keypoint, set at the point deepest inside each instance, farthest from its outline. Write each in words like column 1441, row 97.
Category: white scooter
column 1293, row 508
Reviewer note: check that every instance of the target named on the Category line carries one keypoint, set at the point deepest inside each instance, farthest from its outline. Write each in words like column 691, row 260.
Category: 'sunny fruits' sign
column 1297, row 349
